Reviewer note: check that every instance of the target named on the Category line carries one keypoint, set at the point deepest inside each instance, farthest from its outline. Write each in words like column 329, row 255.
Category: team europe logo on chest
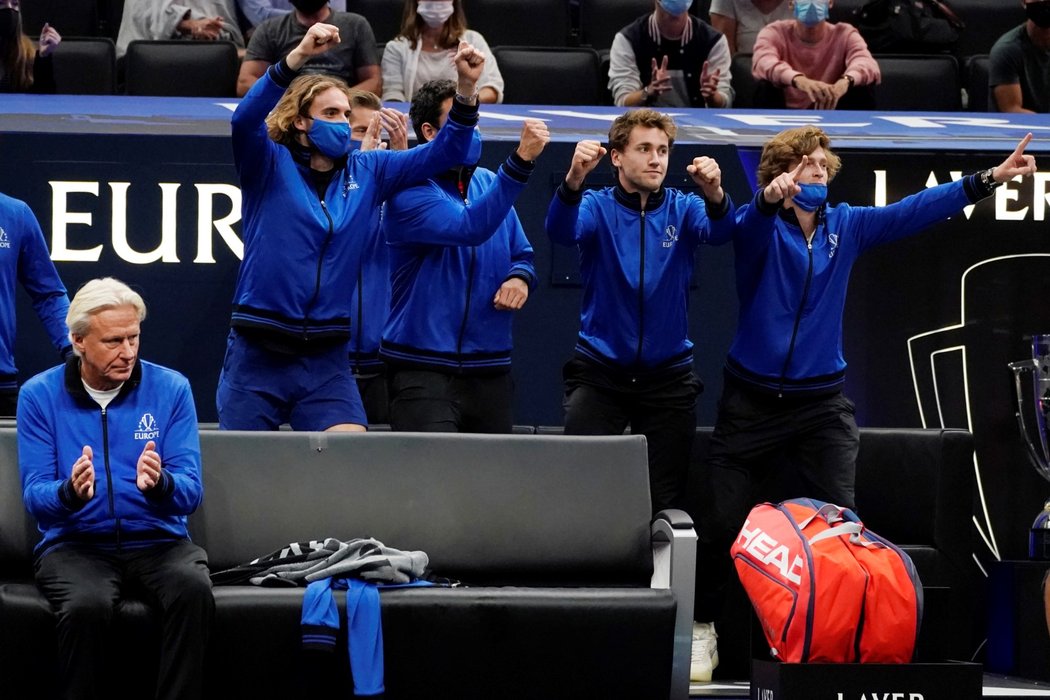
column 4, row 241
column 670, row 236
column 147, row 429
column 833, row 244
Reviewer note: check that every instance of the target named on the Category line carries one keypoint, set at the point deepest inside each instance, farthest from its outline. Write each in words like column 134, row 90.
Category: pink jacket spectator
column 780, row 55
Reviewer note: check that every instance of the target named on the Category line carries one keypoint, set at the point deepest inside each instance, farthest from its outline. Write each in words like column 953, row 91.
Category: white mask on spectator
column 434, row 13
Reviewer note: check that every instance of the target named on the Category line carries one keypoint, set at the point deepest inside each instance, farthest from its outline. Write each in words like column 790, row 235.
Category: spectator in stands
column 111, row 468
column 196, row 20
column 355, row 59
column 370, row 302
column 24, row 67
column 430, row 32
column 456, row 238
column 306, row 199
column 810, row 63
column 24, row 258
column 255, row 11
column 782, row 397
column 669, row 58
column 633, row 363
column 741, row 20
column 1019, row 63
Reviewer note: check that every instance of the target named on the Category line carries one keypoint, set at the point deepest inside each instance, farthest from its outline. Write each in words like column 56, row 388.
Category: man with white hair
column 110, row 462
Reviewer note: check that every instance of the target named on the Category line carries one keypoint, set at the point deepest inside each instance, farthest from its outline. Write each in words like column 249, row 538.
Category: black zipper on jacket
column 641, row 286
column 798, row 316
column 466, row 309
column 109, row 474
column 320, row 264
column 360, row 314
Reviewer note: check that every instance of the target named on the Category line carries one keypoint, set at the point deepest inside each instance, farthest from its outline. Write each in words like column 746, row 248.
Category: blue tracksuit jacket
column 792, row 294
column 24, row 259
column 370, row 302
column 57, row 418
column 636, row 267
column 448, row 258
column 302, row 253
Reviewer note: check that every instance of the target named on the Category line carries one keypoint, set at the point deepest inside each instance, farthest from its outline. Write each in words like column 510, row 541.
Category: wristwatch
column 646, row 97
column 987, row 181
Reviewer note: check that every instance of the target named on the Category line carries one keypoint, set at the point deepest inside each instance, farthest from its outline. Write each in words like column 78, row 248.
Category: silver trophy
column 1033, row 426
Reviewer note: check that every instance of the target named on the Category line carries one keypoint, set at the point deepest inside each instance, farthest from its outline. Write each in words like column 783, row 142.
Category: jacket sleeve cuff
column 716, row 211
column 69, row 497
column 975, row 189
column 529, row 280
column 517, row 168
column 163, row 489
column 463, row 113
column 282, row 74
column 765, row 207
column 569, row 196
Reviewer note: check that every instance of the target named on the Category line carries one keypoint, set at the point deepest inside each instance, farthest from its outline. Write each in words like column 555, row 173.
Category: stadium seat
column 743, row 81
column 68, row 17
column 86, row 66
column 383, row 15
column 600, row 20
column 986, row 21
column 927, row 83
column 976, row 73
column 517, row 23
column 182, row 68
column 550, row 76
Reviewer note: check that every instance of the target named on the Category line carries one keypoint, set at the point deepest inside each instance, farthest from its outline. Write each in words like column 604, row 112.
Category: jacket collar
column 633, row 200
column 458, row 179
column 75, row 385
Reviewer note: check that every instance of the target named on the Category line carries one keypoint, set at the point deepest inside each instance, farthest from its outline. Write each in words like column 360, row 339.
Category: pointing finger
column 1024, row 144
column 801, row 166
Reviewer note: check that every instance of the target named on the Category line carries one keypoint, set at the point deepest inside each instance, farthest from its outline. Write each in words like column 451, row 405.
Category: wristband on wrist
column 848, row 79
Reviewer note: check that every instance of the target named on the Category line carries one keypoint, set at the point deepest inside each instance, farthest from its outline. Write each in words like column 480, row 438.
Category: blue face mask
column 330, row 138
column 675, row 7
column 474, row 152
column 811, row 12
column 811, row 196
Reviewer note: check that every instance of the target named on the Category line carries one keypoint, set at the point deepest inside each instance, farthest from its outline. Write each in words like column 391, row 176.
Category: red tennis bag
column 825, row 588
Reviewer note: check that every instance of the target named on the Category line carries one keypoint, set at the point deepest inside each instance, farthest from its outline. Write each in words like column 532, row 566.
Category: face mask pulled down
column 811, row 197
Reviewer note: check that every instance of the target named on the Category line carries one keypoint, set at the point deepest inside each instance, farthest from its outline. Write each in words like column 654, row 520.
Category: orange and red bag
column 825, row 588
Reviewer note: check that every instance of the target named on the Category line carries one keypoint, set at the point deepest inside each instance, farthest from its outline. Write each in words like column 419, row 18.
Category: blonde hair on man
column 98, row 295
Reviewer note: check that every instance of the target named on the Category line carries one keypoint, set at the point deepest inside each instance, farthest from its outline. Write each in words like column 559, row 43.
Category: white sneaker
column 704, row 657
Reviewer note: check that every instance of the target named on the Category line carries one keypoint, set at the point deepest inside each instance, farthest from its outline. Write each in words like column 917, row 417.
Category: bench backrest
column 485, row 508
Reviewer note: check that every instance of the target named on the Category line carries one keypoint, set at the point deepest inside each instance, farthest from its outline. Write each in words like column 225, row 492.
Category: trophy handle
column 1020, row 368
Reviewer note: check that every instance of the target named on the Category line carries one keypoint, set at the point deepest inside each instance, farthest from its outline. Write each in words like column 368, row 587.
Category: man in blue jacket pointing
column 785, row 369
